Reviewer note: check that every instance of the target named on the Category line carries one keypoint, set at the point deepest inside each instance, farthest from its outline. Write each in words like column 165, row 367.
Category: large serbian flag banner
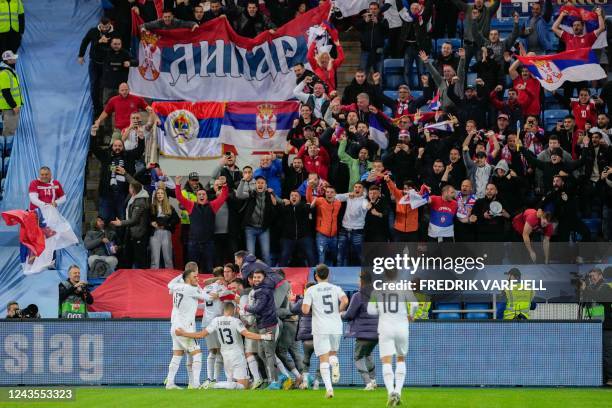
column 213, row 63
column 574, row 66
column 200, row 130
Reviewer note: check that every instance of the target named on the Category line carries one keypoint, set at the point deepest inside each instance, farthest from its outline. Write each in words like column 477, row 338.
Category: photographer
column 13, row 311
column 74, row 296
column 595, row 289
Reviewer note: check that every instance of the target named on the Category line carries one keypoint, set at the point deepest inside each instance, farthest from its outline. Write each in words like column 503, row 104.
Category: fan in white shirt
column 326, row 301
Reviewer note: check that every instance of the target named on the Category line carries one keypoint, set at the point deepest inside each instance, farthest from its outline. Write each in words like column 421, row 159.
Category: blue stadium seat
column 594, row 225
column 391, row 94
column 8, row 145
column 455, row 42
column 477, row 315
column 387, row 111
column 551, row 117
column 393, row 73
column 502, row 25
column 416, row 93
column 550, row 102
column 450, row 315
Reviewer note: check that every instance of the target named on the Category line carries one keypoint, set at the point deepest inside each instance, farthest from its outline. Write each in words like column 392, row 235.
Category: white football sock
column 254, row 368
column 196, row 368
column 218, row 366
column 189, row 362
column 333, row 360
column 229, row 385
column 295, row 372
column 281, row 367
column 387, row 372
column 400, row 376
column 325, row 374
column 210, row 366
column 173, row 367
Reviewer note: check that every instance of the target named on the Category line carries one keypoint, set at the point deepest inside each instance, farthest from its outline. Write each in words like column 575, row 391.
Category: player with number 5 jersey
column 325, row 301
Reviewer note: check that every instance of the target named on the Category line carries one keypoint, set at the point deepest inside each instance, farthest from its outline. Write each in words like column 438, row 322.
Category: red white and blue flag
column 41, row 233
column 445, row 126
column 574, row 66
column 258, row 126
column 189, row 129
column 435, row 104
column 590, row 20
column 214, row 63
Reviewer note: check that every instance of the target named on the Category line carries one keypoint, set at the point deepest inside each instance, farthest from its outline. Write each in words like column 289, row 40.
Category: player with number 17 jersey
column 184, row 306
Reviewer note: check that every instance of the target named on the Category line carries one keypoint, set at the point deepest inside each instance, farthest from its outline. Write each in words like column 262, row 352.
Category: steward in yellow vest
column 518, row 301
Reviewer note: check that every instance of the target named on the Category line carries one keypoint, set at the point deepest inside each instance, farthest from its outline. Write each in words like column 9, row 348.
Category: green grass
column 351, row 397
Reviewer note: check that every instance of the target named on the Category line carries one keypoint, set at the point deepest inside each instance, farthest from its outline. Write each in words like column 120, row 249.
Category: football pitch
column 344, row 397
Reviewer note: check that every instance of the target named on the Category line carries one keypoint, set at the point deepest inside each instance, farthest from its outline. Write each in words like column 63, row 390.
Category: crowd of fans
column 338, row 183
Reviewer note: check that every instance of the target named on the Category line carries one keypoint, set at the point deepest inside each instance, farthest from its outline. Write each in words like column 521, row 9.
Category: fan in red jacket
column 315, row 158
column 323, row 65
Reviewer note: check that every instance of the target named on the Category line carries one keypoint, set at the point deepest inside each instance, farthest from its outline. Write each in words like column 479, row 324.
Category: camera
column 30, row 312
column 577, row 279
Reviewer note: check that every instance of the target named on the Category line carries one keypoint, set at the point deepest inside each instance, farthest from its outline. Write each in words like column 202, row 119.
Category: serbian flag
column 435, row 104
column 445, row 126
column 214, row 63
column 258, row 126
column 590, row 20
column 377, row 131
column 189, row 130
column 574, row 66
column 42, row 232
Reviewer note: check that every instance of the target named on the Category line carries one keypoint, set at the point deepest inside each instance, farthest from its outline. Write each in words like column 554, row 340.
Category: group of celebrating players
column 237, row 307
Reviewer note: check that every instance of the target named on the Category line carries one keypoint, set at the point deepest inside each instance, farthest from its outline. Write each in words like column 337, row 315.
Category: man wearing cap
column 99, row 38
column 201, row 243
column 473, row 106
column 517, row 300
column 189, row 190
column 228, row 168
column 555, row 166
column 10, row 101
column 12, row 24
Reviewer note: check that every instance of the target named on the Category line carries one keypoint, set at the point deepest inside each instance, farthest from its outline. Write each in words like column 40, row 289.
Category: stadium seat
column 5, row 165
column 450, row 315
column 551, row 117
column 416, row 93
column 387, row 111
column 594, row 225
column 391, row 94
column 503, row 25
column 455, row 42
column 477, row 315
column 550, row 102
column 8, row 145
column 393, row 73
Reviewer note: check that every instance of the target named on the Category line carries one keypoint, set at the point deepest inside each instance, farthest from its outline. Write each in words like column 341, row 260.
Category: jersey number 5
column 329, row 306
column 226, row 336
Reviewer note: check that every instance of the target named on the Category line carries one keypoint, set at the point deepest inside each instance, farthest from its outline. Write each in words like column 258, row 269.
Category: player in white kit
column 213, row 307
column 394, row 310
column 229, row 330
column 326, row 302
column 185, row 295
